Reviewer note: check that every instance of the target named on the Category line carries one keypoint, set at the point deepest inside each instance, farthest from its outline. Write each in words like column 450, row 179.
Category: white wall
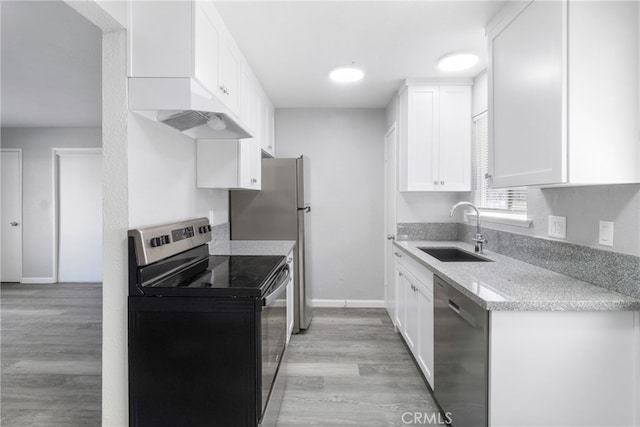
column 346, row 150
column 584, row 208
column 37, row 215
column 162, row 178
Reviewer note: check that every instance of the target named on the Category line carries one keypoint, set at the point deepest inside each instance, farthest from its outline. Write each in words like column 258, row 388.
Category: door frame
column 20, row 199
column 390, row 199
column 55, row 225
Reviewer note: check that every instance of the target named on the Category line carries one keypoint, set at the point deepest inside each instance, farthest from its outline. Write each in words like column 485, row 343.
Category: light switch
column 557, row 227
column 606, row 233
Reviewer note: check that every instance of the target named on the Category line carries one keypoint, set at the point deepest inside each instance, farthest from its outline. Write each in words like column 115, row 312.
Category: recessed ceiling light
column 346, row 74
column 458, row 61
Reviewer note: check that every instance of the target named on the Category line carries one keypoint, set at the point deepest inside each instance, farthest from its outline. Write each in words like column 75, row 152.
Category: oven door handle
column 270, row 299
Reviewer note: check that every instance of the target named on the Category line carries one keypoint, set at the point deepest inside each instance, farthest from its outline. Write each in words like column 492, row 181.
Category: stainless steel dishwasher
column 461, row 341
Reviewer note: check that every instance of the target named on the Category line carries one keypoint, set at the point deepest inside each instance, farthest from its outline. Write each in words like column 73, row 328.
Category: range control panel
column 159, row 242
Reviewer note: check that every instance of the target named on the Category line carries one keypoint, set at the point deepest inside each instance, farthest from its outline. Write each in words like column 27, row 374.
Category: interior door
column 11, row 249
column 80, row 217
column 390, row 194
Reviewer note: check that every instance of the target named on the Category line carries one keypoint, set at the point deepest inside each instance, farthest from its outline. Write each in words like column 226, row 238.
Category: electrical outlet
column 605, row 237
column 557, row 227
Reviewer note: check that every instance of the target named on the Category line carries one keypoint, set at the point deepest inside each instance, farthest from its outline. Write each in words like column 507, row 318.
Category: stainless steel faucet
column 478, row 239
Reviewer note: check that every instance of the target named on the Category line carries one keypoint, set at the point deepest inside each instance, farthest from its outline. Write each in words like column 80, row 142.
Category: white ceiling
column 51, row 56
column 292, row 45
column 51, row 66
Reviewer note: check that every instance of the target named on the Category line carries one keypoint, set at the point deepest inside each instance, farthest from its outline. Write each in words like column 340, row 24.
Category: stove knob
column 209, row 228
column 155, row 242
column 165, row 239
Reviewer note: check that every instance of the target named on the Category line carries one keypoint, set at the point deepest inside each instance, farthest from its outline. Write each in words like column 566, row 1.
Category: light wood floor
column 349, row 369
column 51, row 352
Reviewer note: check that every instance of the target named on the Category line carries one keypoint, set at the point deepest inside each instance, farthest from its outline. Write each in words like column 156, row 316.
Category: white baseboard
column 352, row 303
column 37, row 280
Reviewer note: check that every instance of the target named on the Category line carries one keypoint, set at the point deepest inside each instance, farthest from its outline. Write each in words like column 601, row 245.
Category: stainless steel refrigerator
column 280, row 211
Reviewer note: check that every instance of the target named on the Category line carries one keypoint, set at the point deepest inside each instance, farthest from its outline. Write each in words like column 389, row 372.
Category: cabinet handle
column 400, row 273
column 397, row 254
column 289, row 260
column 253, row 180
column 435, row 182
column 269, row 146
column 441, row 182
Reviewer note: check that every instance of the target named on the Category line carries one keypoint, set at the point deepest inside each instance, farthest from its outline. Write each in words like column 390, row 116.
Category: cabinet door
column 246, row 99
column 425, row 326
column 527, row 98
column 160, row 39
column 250, row 164
column 422, row 138
column 411, row 314
column 269, row 137
column 454, row 147
column 206, row 47
column 400, row 303
column 229, row 72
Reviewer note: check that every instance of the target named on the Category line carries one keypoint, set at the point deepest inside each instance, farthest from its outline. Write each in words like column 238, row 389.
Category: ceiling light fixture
column 458, row 61
column 346, row 74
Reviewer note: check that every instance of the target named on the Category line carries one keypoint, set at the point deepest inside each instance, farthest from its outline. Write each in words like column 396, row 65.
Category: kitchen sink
column 453, row 255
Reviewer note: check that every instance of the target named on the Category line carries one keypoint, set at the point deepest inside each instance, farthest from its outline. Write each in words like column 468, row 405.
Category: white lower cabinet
column 425, row 332
column 414, row 310
column 564, row 368
column 399, row 311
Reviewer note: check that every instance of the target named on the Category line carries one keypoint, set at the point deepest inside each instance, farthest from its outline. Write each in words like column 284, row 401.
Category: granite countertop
column 511, row 285
column 252, row 247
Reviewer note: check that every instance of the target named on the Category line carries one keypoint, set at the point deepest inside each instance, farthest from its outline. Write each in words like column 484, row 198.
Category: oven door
column 274, row 330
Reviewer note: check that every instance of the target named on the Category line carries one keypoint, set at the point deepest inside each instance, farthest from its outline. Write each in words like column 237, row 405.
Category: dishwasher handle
column 453, row 306
column 464, row 314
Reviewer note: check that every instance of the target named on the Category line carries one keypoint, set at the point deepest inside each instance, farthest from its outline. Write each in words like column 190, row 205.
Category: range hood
column 184, row 105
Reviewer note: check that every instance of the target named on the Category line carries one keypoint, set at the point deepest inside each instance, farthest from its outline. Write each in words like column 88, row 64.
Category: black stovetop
column 224, row 275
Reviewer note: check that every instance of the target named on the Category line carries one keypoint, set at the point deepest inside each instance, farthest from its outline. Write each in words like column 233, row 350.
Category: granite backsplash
column 610, row 270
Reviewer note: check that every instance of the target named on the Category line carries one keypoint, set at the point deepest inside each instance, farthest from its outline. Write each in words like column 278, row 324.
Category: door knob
column 14, row 224
column 391, row 237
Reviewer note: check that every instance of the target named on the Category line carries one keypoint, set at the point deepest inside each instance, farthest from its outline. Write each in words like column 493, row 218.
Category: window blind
column 512, row 199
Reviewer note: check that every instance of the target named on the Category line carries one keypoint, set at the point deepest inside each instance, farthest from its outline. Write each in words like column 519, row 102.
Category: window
column 512, row 201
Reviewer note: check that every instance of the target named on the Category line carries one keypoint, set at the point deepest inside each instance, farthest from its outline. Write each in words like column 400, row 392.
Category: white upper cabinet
column 268, row 142
column 188, row 39
column 229, row 81
column 206, row 40
column 435, row 138
column 228, row 164
column 563, row 94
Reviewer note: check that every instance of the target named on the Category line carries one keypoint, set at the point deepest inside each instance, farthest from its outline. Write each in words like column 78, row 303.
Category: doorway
column 11, row 250
column 78, row 177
